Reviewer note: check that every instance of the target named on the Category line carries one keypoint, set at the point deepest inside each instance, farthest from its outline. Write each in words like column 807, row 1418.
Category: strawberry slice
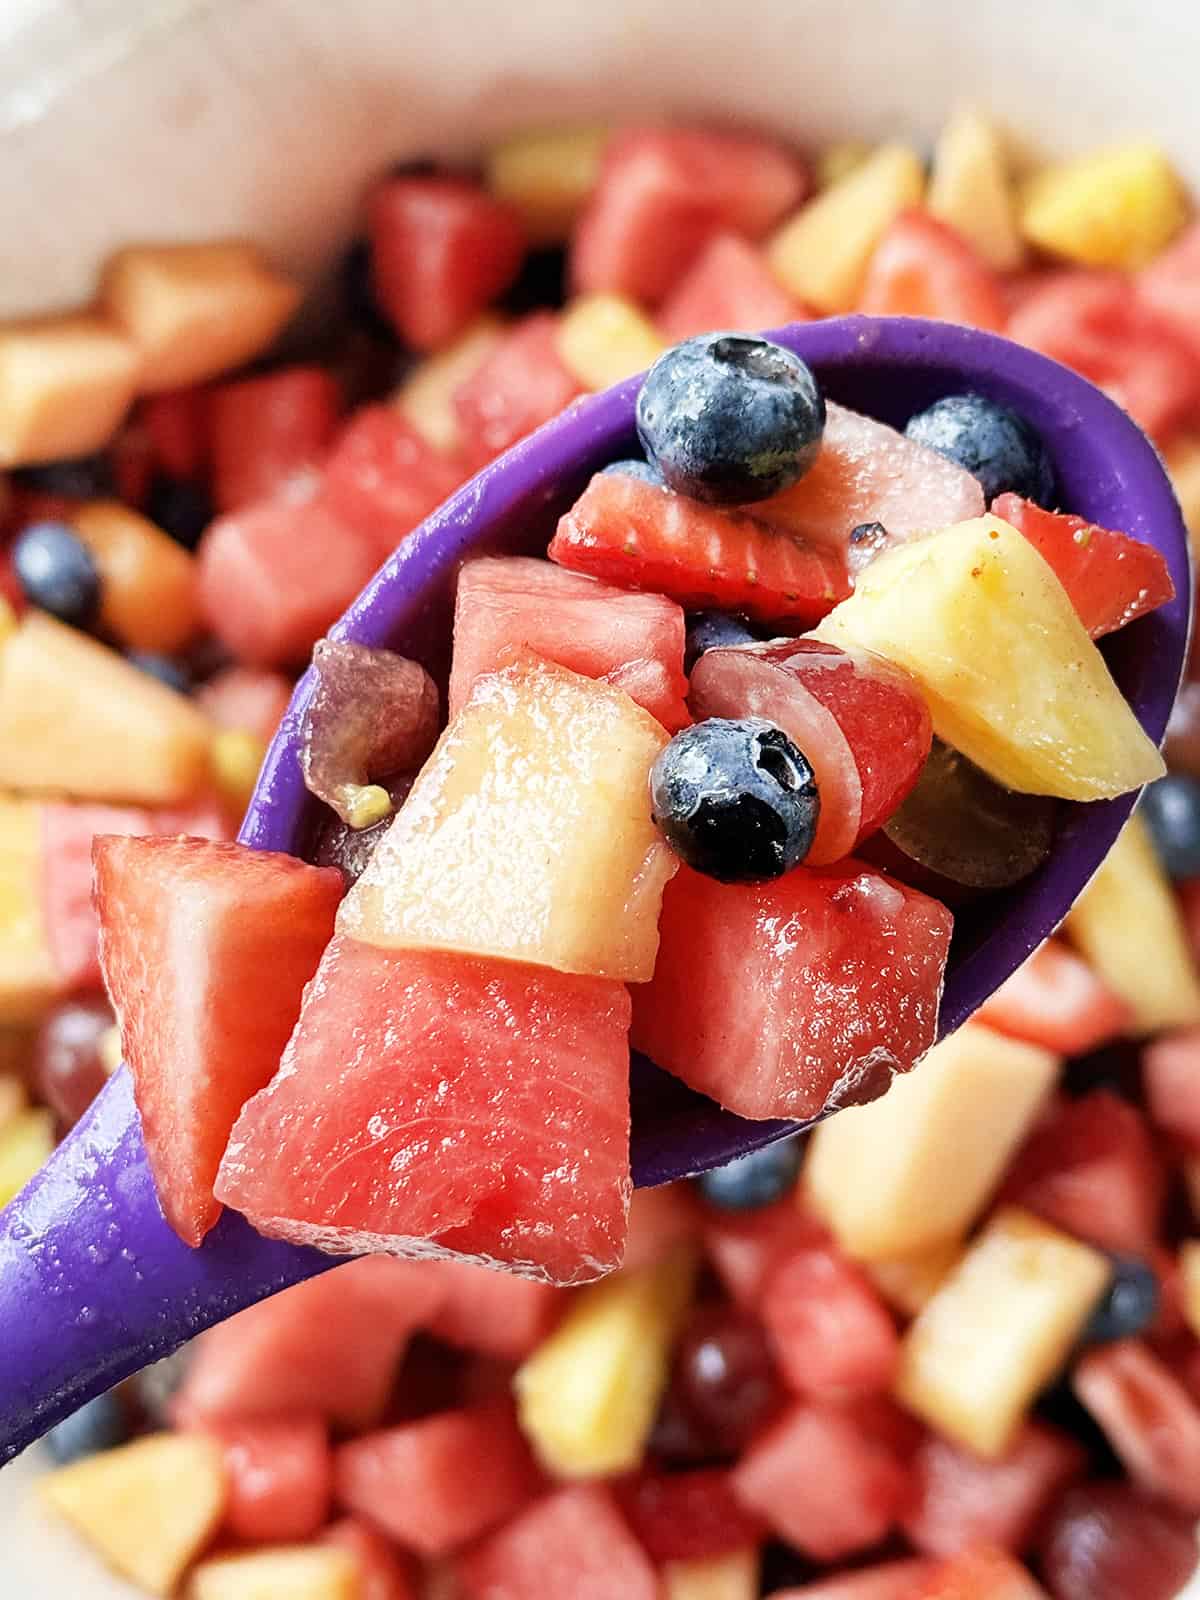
column 639, row 536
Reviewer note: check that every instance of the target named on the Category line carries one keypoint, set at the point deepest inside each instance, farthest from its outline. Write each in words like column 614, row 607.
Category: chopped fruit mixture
column 709, row 768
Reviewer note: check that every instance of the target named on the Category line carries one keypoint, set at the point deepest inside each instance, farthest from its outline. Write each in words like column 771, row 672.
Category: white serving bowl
column 155, row 119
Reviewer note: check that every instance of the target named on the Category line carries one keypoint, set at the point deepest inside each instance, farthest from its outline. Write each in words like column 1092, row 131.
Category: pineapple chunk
column 527, row 834
column 77, row 718
column 604, row 338
column 426, row 399
column 149, row 598
column 65, row 384
column 26, row 1142
column 1183, row 465
column 971, row 188
column 236, row 757
column 1189, row 1273
column 588, row 1395
column 729, row 1577
column 821, row 254
column 13, row 1099
column 976, row 615
column 998, row 1330
column 1113, row 208
column 148, row 1508
column 1128, row 925
column 284, row 1572
column 916, row 1167
column 838, row 161
column 29, row 978
column 547, row 176
column 909, row 1283
column 195, row 310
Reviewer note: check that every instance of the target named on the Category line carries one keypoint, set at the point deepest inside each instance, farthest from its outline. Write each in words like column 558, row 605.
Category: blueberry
column 713, row 630
column 736, row 799
column 990, row 441
column 758, row 1179
column 631, row 467
column 79, row 478
column 730, row 419
column 99, row 1425
column 167, row 670
column 56, row 570
column 181, row 508
column 1171, row 807
column 1129, row 1306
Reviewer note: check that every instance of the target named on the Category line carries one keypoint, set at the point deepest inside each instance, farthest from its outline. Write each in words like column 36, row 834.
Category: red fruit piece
column 1055, row 999
column 829, row 1330
column 383, row 1572
column 383, row 478
column 516, row 602
column 68, row 1073
column 1103, row 1541
column 431, row 1103
column 823, row 1482
column 962, row 1500
column 1170, row 286
column 574, row 1542
column 280, row 1476
column 491, row 1312
column 923, row 268
column 835, row 704
column 894, row 1580
column 659, row 1220
column 1097, row 323
column 205, row 948
column 687, row 1516
column 434, row 1485
column 858, row 956
column 724, row 1384
column 441, row 249
column 248, row 698
column 331, row 1345
column 1091, row 1167
column 264, row 431
column 745, row 1247
column 1111, row 578
column 981, row 1573
column 518, row 385
column 639, row 536
column 66, row 848
column 275, row 576
column 1148, row 1417
column 1171, row 1082
column 728, row 286
column 176, row 422
column 663, row 194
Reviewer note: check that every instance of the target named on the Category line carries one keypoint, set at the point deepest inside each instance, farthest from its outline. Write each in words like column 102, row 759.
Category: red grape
column 1104, row 1542
column 725, row 1376
column 68, row 1073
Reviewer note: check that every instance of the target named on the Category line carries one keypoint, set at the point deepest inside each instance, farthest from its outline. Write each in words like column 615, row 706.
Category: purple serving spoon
column 94, row 1285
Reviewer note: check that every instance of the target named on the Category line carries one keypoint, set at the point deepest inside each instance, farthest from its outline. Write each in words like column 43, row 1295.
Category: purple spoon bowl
column 94, row 1285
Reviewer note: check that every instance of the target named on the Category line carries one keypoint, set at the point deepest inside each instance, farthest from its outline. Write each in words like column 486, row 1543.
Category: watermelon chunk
column 1170, row 286
column 745, row 1247
column 828, row 1328
column 435, row 1484
column 520, row 383
column 981, row 1573
column 280, row 1476
column 491, row 1312
column 293, row 1352
column 574, row 1542
column 894, row 1580
column 383, row 1572
column 441, row 249
column 1054, row 999
column 639, row 536
column 823, row 1482
column 857, row 955
column 176, row 421
column 519, row 1073
column 248, row 698
column 835, row 704
column 1148, row 1417
column 659, row 1220
column 687, row 1516
column 264, row 431
column 383, row 478
column 663, row 194
column 1171, row 1080
column 729, row 285
column 198, row 1043
column 72, row 928
column 1111, row 578
column 1104, row 1541
column 516, row 602
column 924, row 268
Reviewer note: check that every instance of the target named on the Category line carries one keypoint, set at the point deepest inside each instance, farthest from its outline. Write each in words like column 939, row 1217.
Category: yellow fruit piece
column 978, row 618
column 26, row 1142
column 604, row 338
column 1128, row 926
column 77, row 718
column 283, row 1572
column 588, row 1396
column 366, row 804
column 910, row 1283
column 1189, row 1273
column 29, row 979
column 13, row 1099
column 527, row 834
column 426, row 398
column 998, row 1330
column 1183, row 464
column 195, row 310
column 149, row 598
column 8, row 619
column 1117, row 207
column 971, row 188
column 838, row 161
column 108, row 1048
column 917, row 1166
column 547, row 175
column 148, row 1508
column 65, row 384
column 237, row 756
column 731, row 1577
column 821, row 253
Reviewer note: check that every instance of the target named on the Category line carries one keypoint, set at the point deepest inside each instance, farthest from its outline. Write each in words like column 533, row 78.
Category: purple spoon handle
column 93, row 1284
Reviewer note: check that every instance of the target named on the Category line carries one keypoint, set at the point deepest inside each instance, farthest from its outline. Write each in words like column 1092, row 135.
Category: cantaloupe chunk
column 426, row 397
column 1117, row 207
column 65, row 384
column 547, row 175
column 604, row 338
column 29, row 977
column 909, row 1283
column 149, row 596
column 971, row 188
column 729, row 1577
column 978, row 618
column 281, row 1572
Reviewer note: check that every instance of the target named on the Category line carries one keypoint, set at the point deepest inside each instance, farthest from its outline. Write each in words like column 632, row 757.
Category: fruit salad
column 709, row 774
